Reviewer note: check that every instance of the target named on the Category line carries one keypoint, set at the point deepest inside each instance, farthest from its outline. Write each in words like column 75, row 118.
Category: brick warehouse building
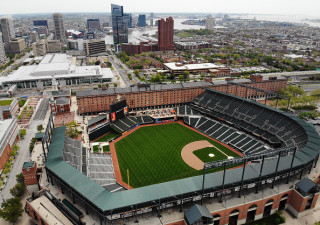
column 171, row 94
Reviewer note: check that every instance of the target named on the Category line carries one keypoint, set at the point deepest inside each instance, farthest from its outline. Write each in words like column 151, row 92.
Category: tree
column 109, row 64
column 97, row 62
column 136, row 72
column 115, row 85
column 18, row 190
column 72, row 130
column 40, row 128
column 23, row 133
column 181, row 78
column 20, row 178
column 11, row 210
column 186, row 74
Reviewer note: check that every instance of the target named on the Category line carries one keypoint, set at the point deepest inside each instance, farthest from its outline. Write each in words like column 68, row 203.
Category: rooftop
column 175, row 66
column 58, row 66
column 49, row 212
column 28, row 164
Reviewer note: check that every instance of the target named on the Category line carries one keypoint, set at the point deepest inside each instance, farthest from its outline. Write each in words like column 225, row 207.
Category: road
column 17, row 62
column 120, row 71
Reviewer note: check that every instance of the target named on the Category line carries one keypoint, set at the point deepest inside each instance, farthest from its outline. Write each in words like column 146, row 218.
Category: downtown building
column 93, row 24
column 94, row 47
column 119, row 25
column 165, row 40
column 7, row 29
column 142, row 21
column 59, row 27
column 210, row 23
column 3, row 57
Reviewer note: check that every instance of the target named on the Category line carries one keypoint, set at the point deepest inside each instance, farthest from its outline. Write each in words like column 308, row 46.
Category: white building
column 62, row 68
column 210, row 23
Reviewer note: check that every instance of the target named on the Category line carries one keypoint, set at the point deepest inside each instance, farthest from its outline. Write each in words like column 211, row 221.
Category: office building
column 3, row 58
column 7, row 32
column 93, row 24
column 93, row 47
column 53, row 46
column 165, row 34
column 34, row 36
column 142, row 21
column 39, row 48
column 59, row 27
column 119, row 25
column 151, row 22
column 128, row 17
column 210, row 23
column 40, row 23
column 17, row 45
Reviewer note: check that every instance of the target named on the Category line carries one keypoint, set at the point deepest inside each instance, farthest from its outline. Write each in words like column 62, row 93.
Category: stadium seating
column 100, row 169
column 74, row 153
column 222, row 114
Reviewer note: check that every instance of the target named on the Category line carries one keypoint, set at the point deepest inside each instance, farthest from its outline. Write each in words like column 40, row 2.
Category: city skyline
column 308, row 8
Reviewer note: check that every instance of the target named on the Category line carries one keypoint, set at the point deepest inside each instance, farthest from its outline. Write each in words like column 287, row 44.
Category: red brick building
column 9, row 111
column 138, row 48
column 9, row 135
column 29, row 171
column 60, row 101
column 165, row 95
column 165, row 34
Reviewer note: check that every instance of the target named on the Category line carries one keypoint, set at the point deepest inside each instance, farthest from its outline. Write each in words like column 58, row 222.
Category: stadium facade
column 229, row 195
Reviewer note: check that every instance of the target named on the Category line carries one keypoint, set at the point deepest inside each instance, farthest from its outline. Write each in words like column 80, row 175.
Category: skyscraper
column 2, row 51
column 210, row 23
column 93, row 24
column 165, row 34
column 7, row 32
column 142, row 21
column 119, row 25
column 59, row 27
column 129, row 19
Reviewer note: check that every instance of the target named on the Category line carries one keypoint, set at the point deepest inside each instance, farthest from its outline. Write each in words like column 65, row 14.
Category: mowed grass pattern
column 152, row 154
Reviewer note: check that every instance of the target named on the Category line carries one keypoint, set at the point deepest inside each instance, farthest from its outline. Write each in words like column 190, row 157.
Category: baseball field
column 152, row 154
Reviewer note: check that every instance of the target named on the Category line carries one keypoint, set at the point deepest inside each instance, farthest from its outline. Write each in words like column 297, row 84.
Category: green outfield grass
column 107, row 137
column 106, row 148
column 152, row 154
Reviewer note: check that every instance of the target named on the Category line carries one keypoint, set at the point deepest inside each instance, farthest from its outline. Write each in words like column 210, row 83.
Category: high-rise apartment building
column 119, row 24
column 142, row 21
column 7, row 29
column 93, row 24
column 165, row 34
column 2, row 51
column 59, row 27
column 210, row 23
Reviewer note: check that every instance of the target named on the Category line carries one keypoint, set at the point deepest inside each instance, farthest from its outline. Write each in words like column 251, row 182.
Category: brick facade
column 101, row 103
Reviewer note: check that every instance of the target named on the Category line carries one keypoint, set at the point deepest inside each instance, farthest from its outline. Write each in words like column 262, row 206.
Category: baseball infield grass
column 152, row 154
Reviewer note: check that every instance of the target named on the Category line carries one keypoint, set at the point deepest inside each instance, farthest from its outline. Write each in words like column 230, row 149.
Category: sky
column 280, row 7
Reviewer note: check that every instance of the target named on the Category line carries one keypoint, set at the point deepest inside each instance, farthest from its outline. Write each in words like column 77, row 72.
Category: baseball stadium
column 214, row 155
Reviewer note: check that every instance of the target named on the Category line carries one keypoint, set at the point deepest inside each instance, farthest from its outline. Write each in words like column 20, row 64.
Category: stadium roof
column 106, row 201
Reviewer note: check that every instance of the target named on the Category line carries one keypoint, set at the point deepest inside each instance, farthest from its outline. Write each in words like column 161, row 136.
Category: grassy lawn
column 5, row 102
column 106, row 148
column 107, row 137
column 96, row 148
column 153, row 154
